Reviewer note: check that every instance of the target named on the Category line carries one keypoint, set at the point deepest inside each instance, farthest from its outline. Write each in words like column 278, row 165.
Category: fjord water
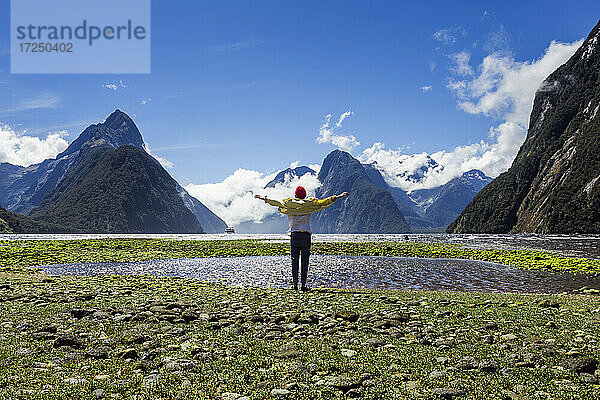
column 365, row 272
column 349, row 272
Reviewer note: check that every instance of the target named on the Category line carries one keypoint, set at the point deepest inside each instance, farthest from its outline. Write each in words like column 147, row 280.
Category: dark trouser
column 300, row 244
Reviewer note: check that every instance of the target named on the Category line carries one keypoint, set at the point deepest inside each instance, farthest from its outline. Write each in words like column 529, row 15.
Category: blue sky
column 248, row 84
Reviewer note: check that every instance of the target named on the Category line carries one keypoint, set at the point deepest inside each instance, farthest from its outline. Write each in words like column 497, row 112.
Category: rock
column 179, row 365
column 68, row 340
column 230, row 396
column 98, row 393
column 348, row 353
column 508, row 337
column 128, row 354
column 447, row 393
column 588, row 378
column 340, row 382
column 101, row 315
column 433, row 375
column 123, row 318
column 189, row 315
column 548, row 304
column 98, row 353
column 354, row 393
column 467, row 364
column 375, row 342
column 49, row 328
column 44, row 336
column 488, row 366
column 81, row 312
column 347, row 315
column 119, row 385
column 280, row 393
column 134, row 337
column 150, row 381
column 75, row 381
column 581, row 365
column 287, row 351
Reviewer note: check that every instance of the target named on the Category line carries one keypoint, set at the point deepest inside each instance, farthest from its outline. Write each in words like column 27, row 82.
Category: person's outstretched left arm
column 269, row 201
column 329, row 200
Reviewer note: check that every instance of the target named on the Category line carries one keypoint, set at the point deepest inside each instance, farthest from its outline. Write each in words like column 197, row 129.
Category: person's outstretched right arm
column 270, row 201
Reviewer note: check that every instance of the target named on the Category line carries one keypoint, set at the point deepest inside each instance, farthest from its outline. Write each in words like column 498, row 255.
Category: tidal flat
column 153, row 337
column 29, row 253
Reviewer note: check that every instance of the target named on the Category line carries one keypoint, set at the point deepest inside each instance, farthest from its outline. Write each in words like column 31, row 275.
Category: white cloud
column 327, row 134
column 343, row 117
column 241, row 45
column 426, row 89
column 114, row 85
column 461, row 64
column 20, row 149
column 502, row 88
column 450, row 36
column 41, row 101
column 163, row 161
column 146, row 101
column 233, row 198
column 505, row 88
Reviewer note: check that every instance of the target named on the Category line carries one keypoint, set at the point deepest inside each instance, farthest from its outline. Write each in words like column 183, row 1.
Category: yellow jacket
column 301, row 206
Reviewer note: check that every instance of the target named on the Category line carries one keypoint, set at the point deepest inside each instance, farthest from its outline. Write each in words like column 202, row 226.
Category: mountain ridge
column 23, row 189
column 551, row 186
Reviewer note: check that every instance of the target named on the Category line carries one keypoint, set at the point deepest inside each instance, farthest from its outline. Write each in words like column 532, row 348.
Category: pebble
column 348, row 353
column 75, row 381
column 230, row 396
column 287, row 351
column 150, row 381
column 128, row 354
column 375, row 342
column 280, row 393
column 447, row 393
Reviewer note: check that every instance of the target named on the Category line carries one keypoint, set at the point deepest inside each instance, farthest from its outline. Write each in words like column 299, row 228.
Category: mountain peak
column 116, row 118
column 476, row 174
column 116, row 131
column 289, row 174
column 336, row 157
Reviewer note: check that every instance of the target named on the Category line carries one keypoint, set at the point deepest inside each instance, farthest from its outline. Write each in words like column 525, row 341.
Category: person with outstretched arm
column 299, row 210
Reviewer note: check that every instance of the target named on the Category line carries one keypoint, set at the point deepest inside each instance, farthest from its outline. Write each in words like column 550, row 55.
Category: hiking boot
column 295, row 286
column 304, row 288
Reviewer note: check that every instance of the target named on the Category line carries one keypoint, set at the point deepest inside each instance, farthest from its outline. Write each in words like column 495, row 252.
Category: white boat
column 229, row 229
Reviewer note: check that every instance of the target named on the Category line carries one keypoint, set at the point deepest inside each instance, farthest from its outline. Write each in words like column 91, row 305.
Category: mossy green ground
column 144, row 337
column 234, row 341
column 46, row 252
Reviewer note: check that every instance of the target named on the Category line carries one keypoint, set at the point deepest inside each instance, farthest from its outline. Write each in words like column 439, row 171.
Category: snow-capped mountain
column 415, row 167
column 289, row 174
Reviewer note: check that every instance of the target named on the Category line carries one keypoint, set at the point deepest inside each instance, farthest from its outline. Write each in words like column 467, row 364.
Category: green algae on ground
column 149, row 337
column 45, row 252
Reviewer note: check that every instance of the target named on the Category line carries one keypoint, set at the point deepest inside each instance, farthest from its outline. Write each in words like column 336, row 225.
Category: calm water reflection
column 349, row 272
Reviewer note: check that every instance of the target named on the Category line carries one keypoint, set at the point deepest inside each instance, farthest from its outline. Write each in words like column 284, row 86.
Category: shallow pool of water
column 349, row 272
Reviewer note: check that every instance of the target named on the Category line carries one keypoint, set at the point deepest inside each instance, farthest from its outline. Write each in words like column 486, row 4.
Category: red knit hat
column 300, row 192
